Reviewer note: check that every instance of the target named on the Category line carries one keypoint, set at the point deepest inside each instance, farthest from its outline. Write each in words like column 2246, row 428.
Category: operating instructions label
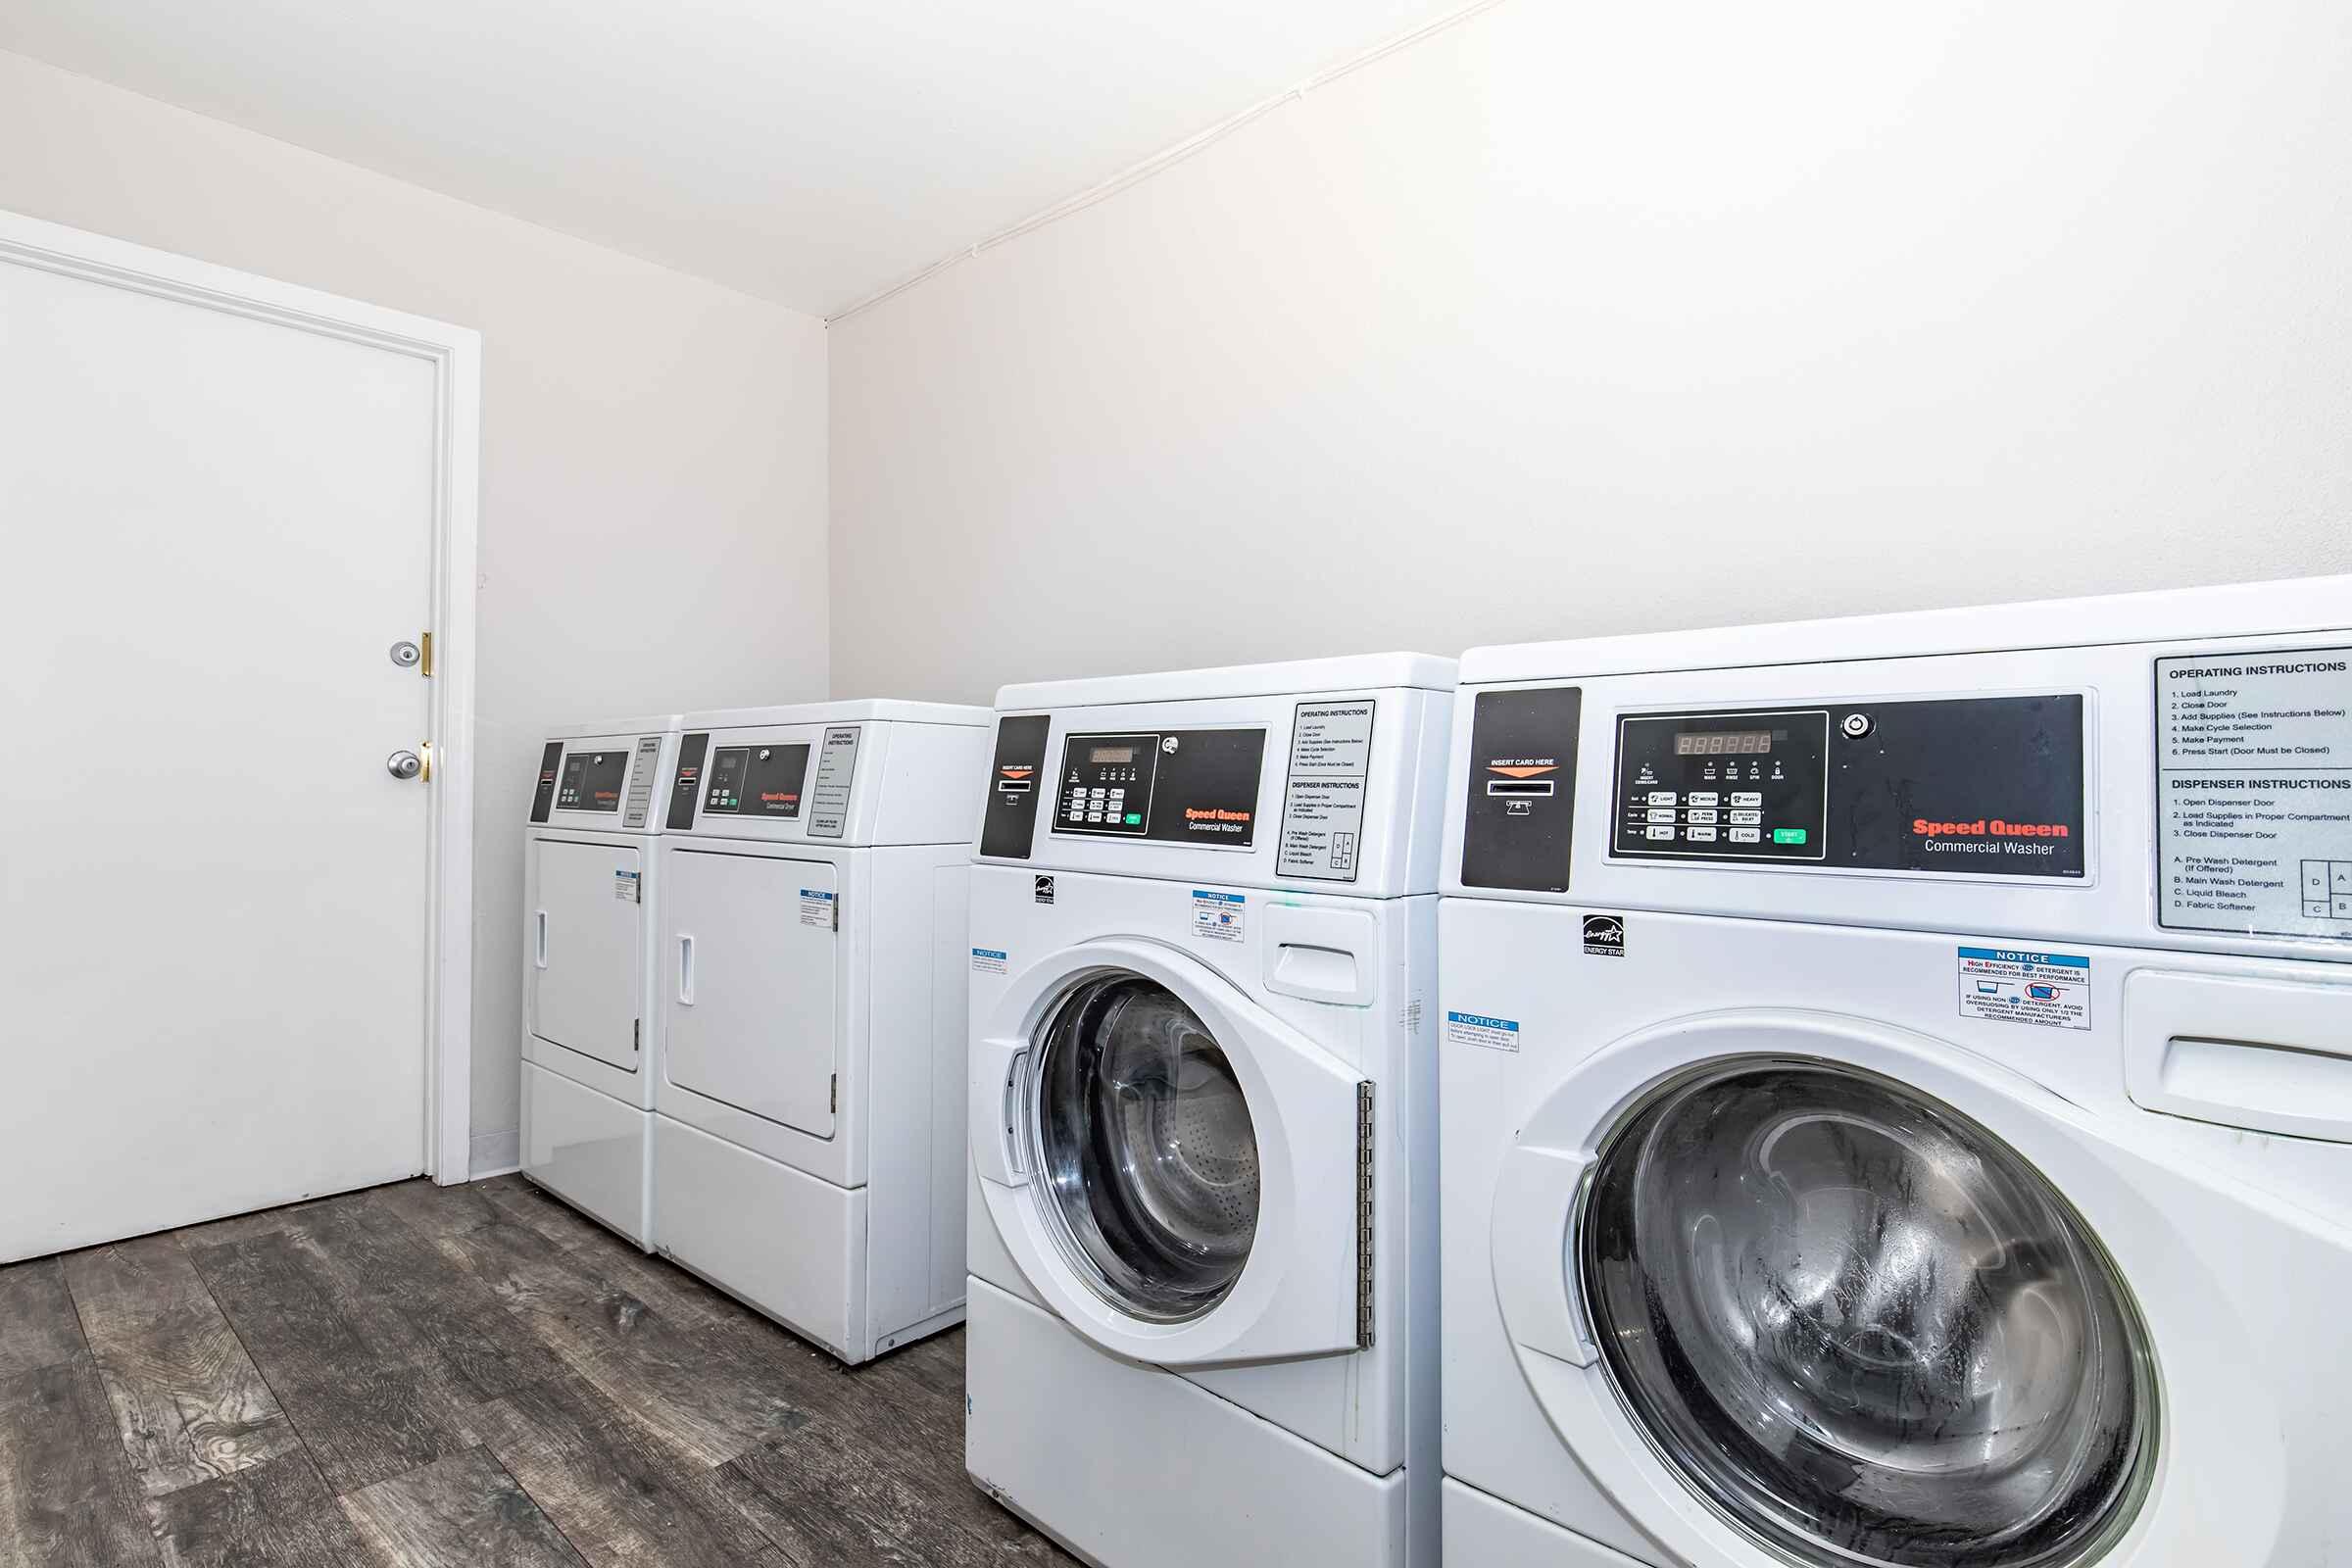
column 2254, row 793
column 1323, row 803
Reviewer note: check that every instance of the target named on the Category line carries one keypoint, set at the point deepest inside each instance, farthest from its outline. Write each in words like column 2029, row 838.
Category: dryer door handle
column 997, row 1069
column 1533, row 1252
column 685, row 971
column 539, row 954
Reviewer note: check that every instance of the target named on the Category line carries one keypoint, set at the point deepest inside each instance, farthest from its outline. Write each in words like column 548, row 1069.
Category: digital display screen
column 1100, row 755
column 1723, row 743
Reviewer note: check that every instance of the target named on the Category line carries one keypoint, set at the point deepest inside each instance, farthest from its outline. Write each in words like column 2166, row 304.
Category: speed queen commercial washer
column 591, row 888
column 1898, row 1089
column 809, row 1127
column 1202, row 1308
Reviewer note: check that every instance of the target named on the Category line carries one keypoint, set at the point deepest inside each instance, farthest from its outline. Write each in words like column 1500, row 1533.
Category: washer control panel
column 1106, row 784
column 1747, row 785
column 1969, row 786
column 1191, row 786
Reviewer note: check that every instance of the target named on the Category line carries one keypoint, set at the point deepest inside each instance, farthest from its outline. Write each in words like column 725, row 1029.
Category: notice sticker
column 1477, row 1029
column 626, row 886
column 1219, row 916
column 816, row 908
column 2018, row 985
column 988, row 960
column 1323, row 803
column 2254, row 793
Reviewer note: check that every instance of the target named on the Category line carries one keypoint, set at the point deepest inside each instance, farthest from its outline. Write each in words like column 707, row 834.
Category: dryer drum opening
column 1862, row 1326
column 1145, row 1142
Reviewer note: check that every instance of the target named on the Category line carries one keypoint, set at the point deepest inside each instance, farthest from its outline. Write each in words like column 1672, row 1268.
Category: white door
column 751, row 956
column 213, row 954
column 588, row 948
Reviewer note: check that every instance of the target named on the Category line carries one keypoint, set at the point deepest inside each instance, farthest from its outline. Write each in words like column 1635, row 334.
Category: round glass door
column 1864, row 1328
column 1148, row 1156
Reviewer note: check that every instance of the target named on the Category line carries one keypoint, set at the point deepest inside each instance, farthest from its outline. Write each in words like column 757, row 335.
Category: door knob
column 404, row 764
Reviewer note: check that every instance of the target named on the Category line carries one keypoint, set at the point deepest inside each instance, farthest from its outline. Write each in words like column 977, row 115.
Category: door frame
column 456, row 354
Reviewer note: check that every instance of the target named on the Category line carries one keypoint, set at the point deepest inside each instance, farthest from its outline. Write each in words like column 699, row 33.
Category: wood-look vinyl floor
column 467, row 1377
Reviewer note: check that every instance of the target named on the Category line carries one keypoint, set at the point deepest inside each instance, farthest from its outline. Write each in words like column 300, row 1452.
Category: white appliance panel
column 754, row 1025
column 587, row 947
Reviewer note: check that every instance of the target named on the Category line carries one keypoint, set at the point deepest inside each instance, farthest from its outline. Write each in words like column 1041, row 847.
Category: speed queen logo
column 1604, row 935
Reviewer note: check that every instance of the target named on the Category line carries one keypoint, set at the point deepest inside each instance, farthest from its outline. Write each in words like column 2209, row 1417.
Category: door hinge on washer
column 636, row 1034
column 1363, row 1215
column 833, row 1095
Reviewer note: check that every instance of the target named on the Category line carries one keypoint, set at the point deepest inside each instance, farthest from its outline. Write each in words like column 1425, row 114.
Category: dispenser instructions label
column 1323, row 803
column 2019, row 985
column 2254, row 793
column 1220, row 916
column 1477, row 1029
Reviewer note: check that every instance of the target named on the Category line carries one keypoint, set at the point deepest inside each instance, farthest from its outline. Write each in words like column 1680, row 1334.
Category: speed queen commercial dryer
column 1897, row 1090
column 591, row 888
column 1202, row 1308
column 808, row 1128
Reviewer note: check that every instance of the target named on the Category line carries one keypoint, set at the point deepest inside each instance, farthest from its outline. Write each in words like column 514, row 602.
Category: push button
column 1746, row 797
column 1744, row 818
column 1747, row 835
column 1665, row 831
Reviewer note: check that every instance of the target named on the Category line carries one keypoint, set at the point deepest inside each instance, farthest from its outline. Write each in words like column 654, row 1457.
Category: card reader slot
column 1519, row 786
column 1014, row 786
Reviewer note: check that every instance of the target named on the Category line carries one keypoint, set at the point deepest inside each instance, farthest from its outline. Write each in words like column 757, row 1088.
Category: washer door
column 1147, row 1156
column 1862, row 1326
column 1173, row 1169
column 1801, row 1288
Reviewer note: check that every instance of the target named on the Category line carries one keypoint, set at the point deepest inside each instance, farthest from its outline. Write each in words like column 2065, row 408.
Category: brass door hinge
column 424, row 665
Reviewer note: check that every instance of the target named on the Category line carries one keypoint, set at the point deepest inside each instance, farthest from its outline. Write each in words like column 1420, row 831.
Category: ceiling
column 810, row 152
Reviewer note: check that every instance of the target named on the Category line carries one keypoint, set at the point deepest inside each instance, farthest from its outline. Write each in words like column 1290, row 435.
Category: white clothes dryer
column 1202, row 1312
column 591, row 889
column 809, row 1132
column 1897, row 1090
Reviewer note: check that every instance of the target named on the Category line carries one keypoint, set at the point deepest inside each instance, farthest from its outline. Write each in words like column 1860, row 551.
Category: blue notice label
column 2024, row 984
column 1483, row 1030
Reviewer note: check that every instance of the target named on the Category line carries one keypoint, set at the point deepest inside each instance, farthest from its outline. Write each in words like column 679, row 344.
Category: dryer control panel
column 598, row 776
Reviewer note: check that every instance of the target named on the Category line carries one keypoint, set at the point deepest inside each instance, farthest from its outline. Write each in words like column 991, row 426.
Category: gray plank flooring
column 421, row 1377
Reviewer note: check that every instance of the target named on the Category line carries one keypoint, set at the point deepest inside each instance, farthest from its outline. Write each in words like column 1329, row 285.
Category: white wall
column 1592, row 319
column 652, row 445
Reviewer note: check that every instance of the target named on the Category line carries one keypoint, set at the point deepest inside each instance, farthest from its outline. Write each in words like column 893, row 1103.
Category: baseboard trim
column 495, row 1154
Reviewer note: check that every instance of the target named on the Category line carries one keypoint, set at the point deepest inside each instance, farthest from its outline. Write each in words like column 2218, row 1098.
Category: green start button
column 1788, row 835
